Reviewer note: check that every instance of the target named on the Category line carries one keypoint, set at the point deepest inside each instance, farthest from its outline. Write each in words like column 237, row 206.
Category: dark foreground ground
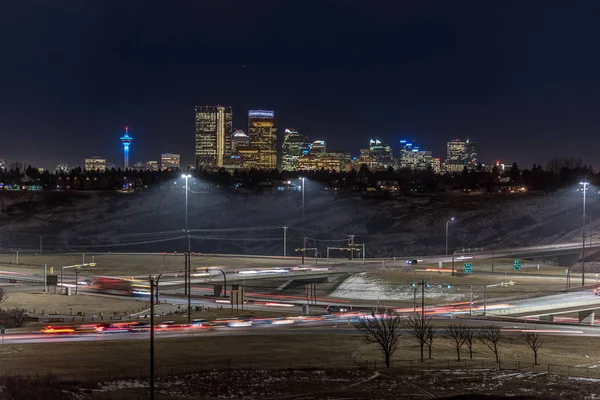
column 355, row 384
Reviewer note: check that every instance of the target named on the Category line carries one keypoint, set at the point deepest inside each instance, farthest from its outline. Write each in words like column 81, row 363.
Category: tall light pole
column 447, row 223
column 188, row 275
column 303, row 234
column 585, row 186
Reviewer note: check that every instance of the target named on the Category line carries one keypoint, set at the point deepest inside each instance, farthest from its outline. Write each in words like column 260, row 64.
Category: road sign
column 517, row 265
column 468, row 268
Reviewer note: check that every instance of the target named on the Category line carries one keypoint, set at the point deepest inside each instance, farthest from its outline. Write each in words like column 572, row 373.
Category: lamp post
column 585, row 186
column 303, row 235
column 447, row 223
column 152, row 284
column 188, row 262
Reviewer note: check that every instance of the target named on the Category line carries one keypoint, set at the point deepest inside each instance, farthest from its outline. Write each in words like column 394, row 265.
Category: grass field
column 133, row 264
column 253, row 350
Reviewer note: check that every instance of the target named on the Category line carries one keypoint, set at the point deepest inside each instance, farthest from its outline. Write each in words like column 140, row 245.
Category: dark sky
column 521, row 78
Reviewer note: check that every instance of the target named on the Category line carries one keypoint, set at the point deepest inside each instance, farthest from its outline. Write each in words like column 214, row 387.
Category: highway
column 337, row 325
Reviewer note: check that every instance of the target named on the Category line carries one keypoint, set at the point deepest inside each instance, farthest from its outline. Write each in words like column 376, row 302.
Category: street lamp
column 585, row 186
column 188, row 262
column 447, row 223
column 303, row 233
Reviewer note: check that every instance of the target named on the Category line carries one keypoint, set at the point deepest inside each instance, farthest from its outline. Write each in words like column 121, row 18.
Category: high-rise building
column 62, row 167
column 170, row 161
column 381, row 153
column 126, row 140
column 213, row 135
column 460, row 154
column 152, row 165
column 95, row 164
column 263, row 135
column 334, row 162
column 294, row 146
column 412, row 156
column 318, row 147
column 239, row 139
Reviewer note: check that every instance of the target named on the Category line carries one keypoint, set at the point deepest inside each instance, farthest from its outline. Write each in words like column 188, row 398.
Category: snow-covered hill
column 238, row 223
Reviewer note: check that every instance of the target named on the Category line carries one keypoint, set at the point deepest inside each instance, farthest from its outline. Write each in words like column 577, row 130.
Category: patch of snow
column 365, row 287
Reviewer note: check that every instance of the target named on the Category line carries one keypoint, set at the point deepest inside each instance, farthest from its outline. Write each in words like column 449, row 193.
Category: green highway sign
column 517, row 265
column 468, row 268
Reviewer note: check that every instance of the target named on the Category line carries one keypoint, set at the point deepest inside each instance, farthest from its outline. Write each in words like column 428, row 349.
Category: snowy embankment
column 366, row 287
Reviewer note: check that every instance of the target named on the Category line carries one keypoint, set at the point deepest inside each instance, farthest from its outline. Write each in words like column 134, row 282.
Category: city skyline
column 436, row 79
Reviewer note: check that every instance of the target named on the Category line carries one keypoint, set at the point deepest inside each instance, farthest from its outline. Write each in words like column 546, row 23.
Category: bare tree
column 469, row 337
column 457, row 334
column 384, row 330
column 534, row 341
column 430, row 337
column 3, row 295
column 491, row 336
column 418, row 327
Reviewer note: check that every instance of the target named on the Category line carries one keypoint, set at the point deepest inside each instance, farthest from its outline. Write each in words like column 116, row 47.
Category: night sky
column 521, row 78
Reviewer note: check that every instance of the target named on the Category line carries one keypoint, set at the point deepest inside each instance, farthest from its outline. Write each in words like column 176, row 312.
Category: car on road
column 57, row 329
column 140, row 327
column 203, row 323
column 336, row 309
column 412, row 262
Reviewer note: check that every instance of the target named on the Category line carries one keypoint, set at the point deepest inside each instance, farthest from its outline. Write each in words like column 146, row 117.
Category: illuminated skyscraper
column 213, row 135
column 294, row 146
column 239, row 139
column 95, row 164
column 318, row 147
column 263, row 135
column 412, row 156
column 126, row 140
column 460, row 154
column 170, row 161
column 381, row 153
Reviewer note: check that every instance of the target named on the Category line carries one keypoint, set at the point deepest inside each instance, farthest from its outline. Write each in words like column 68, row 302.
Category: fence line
column 96, row 376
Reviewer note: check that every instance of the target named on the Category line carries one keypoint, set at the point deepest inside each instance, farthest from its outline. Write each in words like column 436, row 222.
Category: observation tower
column 126, row 140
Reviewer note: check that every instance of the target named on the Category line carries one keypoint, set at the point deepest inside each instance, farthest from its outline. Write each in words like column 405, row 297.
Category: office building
column 413, row 157
column 95, row 164
column 366, row 158
column 62, row 167
column 249, row 157
column 152, row 165
column 333, row 162
column 239, row 139
column 294, row 146
column 318, row 147
column 382, row 153
column 170, row 161
column 460, row 154
column 263, row 135
column 213, row 135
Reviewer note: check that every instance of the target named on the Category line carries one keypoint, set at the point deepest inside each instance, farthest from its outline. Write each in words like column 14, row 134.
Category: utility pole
column 351, row 247
column 585, row 185
column 46, row 278
column 151, row 339
column 484, row 299
column 41, row 245
column 414, row 300
column 284, row 240
column 423, row 302
column 470, row 299
column 304, row 250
